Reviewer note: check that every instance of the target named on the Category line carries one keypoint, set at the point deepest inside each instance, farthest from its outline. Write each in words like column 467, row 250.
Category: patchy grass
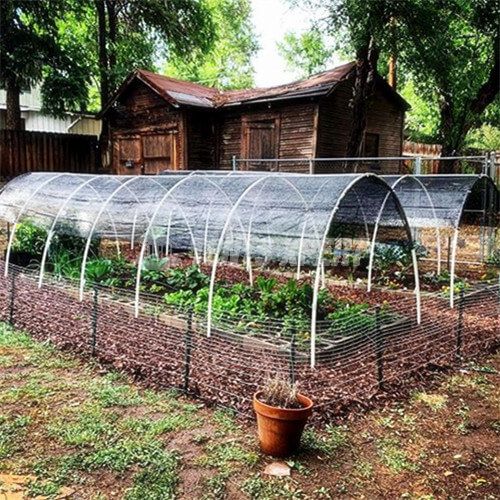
column 68, row 429
column 435, row 402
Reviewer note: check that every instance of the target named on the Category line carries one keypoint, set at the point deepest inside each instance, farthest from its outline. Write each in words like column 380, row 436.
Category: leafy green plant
column 494, row 258
column 30, row 239
column 65, row 265
column 153, row 263
column 97, row 270
column 189, row 278
column 394, row 259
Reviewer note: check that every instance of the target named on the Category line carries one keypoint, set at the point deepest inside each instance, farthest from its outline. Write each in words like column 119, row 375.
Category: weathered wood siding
column 200, row 140
column 24, row 151
column 139, row 112
column 334, row 124
column 296, row 124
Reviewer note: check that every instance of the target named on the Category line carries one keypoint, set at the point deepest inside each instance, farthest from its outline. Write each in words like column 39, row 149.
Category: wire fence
column 398, row 165
column 169, row 348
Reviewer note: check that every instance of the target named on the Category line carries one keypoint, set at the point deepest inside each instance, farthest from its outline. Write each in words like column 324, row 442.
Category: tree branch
column 489, row 90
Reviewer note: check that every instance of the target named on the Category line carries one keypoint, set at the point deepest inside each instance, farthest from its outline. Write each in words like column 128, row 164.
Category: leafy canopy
column 305, row 53
column 32, row 49
column 228, row 63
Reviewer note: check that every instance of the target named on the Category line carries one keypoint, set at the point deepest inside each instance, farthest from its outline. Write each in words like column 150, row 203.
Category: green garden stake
column 95, row 314
column 292, row 356
column 379, row 348
column 187, row 351
column 12, row 297
column 460, row 326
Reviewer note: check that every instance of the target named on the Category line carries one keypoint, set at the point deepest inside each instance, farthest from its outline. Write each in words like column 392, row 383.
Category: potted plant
column 282, row 413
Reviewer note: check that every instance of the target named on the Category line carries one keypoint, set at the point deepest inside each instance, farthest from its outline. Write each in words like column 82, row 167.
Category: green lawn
column 70, row 429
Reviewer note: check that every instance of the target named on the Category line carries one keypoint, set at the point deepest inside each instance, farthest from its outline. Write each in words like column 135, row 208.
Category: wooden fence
column 23, row 151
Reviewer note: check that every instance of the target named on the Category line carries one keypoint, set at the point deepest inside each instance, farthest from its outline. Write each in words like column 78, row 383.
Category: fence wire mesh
column 169, row 348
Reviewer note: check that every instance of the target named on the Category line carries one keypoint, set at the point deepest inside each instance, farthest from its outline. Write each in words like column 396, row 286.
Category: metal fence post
column 95, row 315
column 12, row 296
column 379, row 348
column 292, row 356
column 460, row 325
column 418, row 165
column 188, row 337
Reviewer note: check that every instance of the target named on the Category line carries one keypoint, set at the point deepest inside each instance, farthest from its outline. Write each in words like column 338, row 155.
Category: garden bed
column 228, row 367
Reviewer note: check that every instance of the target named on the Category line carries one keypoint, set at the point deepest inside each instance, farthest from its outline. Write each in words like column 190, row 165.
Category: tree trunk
column 103, row 52
column 112, row 21
column 13, row 113
column 454, row 129
column 364, row 85
column 104, row 78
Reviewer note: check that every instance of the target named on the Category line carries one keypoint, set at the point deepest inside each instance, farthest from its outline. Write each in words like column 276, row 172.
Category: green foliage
column 158, row 480
column 30, row 238
column 228, row 63
column 306, row 53
column 247, row 305
column 11, row 430
column 333, row 440
column 153, row 263
column 56, row 42
column 494, row 258
column 251, row 307
column 354, row 318
column 32, row 50
column 65, row 265
column 484, row 138
column 450, row 55
column 189, row 278
column 97, row 270
column 393, row 456
column 422, row 120
column 447, row 58
column 394, row 260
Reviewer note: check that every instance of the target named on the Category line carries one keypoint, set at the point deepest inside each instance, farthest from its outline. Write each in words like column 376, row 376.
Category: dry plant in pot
column 282, row 414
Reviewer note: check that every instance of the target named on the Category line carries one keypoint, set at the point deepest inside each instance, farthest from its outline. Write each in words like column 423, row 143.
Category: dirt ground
column 69, row 429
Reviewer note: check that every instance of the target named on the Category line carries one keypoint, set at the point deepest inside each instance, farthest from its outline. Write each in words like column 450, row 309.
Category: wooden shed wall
column 296, row 137
column 141, row 111
column 334, row 123
column 200, row 140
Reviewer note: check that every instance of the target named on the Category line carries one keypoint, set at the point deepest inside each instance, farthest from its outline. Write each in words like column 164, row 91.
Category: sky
column 271, row 20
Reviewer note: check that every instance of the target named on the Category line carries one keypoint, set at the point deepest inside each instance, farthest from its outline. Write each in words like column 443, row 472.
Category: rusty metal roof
column 185, row 93
column 318, row 84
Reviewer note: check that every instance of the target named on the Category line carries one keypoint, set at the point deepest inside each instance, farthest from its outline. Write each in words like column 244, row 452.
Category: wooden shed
column 158, row 123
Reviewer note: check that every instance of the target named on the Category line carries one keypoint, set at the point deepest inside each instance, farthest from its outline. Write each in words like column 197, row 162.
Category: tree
column 306, row 53
column 130, row 31
column 76, row 46
column 449, row 49
column 228, row 63
column 453, row 55
column 366, row 28
column 30, row 51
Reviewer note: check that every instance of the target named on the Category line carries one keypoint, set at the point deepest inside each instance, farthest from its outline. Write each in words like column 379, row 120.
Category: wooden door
column 128, row 154
column 260, row 142
column 158, row 152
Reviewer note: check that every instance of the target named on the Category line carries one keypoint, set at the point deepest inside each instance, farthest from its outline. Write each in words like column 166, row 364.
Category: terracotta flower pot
column 280, row 429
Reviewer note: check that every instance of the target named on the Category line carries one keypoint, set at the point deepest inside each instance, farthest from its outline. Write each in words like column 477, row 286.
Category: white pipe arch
column 433, row 208
column 219, row 247
column 56, row 219
column 123, row 185
column 20, row 213
column 249, row 233
column 168, row 194
column 456, row 228
column 317, row 278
